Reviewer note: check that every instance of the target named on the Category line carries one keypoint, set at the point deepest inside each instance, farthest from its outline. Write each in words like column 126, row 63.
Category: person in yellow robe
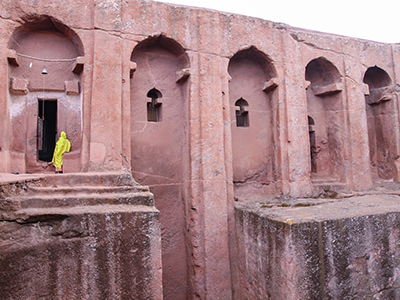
column 63, row 145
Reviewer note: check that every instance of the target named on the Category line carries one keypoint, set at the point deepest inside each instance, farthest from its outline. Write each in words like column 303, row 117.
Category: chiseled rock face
column 91, row 253
column 204, row 107
column 320, row 249
column 80, row 240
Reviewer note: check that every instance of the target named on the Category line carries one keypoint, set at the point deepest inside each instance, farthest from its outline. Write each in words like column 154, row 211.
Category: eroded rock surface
column 345, row 248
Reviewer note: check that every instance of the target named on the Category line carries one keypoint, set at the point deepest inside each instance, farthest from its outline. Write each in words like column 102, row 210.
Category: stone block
column 18, row 86
column 72, row 87
column 320, row 249
column 270, row 85
column 132, row 68
column 110, row 252
column 182, row 75
column 378, row 95
column 327, row 89
column 78, row 65
column 12, row 58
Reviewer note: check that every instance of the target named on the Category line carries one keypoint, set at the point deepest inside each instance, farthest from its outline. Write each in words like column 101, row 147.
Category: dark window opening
column 242, row 115
column 46, row 129
column 313, row 147
column 154, row 107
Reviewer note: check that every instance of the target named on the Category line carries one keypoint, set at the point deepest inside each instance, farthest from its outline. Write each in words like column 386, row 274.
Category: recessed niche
column 325, row 120
column 253, row 92
column 379, row 84
column 382, row 122
column 46, row 61
column 159, row 92
column 324, row 77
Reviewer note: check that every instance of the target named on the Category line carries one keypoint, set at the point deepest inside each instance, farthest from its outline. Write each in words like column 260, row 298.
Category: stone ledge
column 327, row 89
column 302, row 210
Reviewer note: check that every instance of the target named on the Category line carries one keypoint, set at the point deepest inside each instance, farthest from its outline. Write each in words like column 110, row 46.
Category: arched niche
column 381, row 115
column 253, row 110
column 159, row 146
column 45, row 65
column 325, row 112
column 322, row 73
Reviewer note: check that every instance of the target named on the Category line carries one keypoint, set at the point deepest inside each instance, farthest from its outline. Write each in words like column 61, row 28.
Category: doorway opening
column 46, row 128
column 313, row 146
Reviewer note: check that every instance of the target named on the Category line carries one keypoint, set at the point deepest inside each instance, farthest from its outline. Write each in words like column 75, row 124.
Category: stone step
column 19, row 185
column 81, row 189
column 71, row 190
column 92, row 179
column 76, row 199
column 50, row 214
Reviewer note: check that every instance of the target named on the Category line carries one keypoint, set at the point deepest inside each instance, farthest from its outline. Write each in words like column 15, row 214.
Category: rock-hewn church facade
column 207, row 111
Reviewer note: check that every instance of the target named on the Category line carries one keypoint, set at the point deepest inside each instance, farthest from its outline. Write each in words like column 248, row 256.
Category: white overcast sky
column 377, row 20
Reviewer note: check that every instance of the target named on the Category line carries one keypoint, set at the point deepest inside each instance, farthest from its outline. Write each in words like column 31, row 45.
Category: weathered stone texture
column 90, row 253
column 246, row 109
column 61, row 242
column 320, row 249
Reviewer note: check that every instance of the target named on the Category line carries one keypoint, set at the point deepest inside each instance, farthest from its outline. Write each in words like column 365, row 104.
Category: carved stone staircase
column 22, row 199
column 82, row 235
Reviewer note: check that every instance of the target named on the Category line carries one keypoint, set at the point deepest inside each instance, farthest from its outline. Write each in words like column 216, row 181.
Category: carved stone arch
column 159, row 146
column 376, row 77
column 324, row 77
column 154, row 94
column 379, row 84
column 45, row 68
column 253, row 78
column 321, row 71
column 36, row 24
column 165, row 44
column 325, row 105
column 256, row 57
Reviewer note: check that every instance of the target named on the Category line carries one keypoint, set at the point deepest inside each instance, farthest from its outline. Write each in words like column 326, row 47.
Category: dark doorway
column 46, row 128
column 313, row 146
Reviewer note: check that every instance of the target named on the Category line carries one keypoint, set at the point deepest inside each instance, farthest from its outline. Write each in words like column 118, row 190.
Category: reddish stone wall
column 89, row 253
column 319, row 249
column 205, row 161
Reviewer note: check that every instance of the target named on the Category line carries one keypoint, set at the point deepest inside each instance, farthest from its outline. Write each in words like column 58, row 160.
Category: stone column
column 395, row 49
column 359, row 170
column 208, row 210
column 293, row 91
column 105, row 119
column 5, row 127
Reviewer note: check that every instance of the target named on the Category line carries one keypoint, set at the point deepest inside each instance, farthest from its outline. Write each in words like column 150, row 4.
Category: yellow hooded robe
column 63, row 145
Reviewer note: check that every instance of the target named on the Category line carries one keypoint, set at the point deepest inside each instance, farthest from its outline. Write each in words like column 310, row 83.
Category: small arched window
column 242, row 114
column 154, row 106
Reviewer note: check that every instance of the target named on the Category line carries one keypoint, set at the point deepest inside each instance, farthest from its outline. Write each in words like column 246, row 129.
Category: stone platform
column 78, row 236
column 342, row 248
